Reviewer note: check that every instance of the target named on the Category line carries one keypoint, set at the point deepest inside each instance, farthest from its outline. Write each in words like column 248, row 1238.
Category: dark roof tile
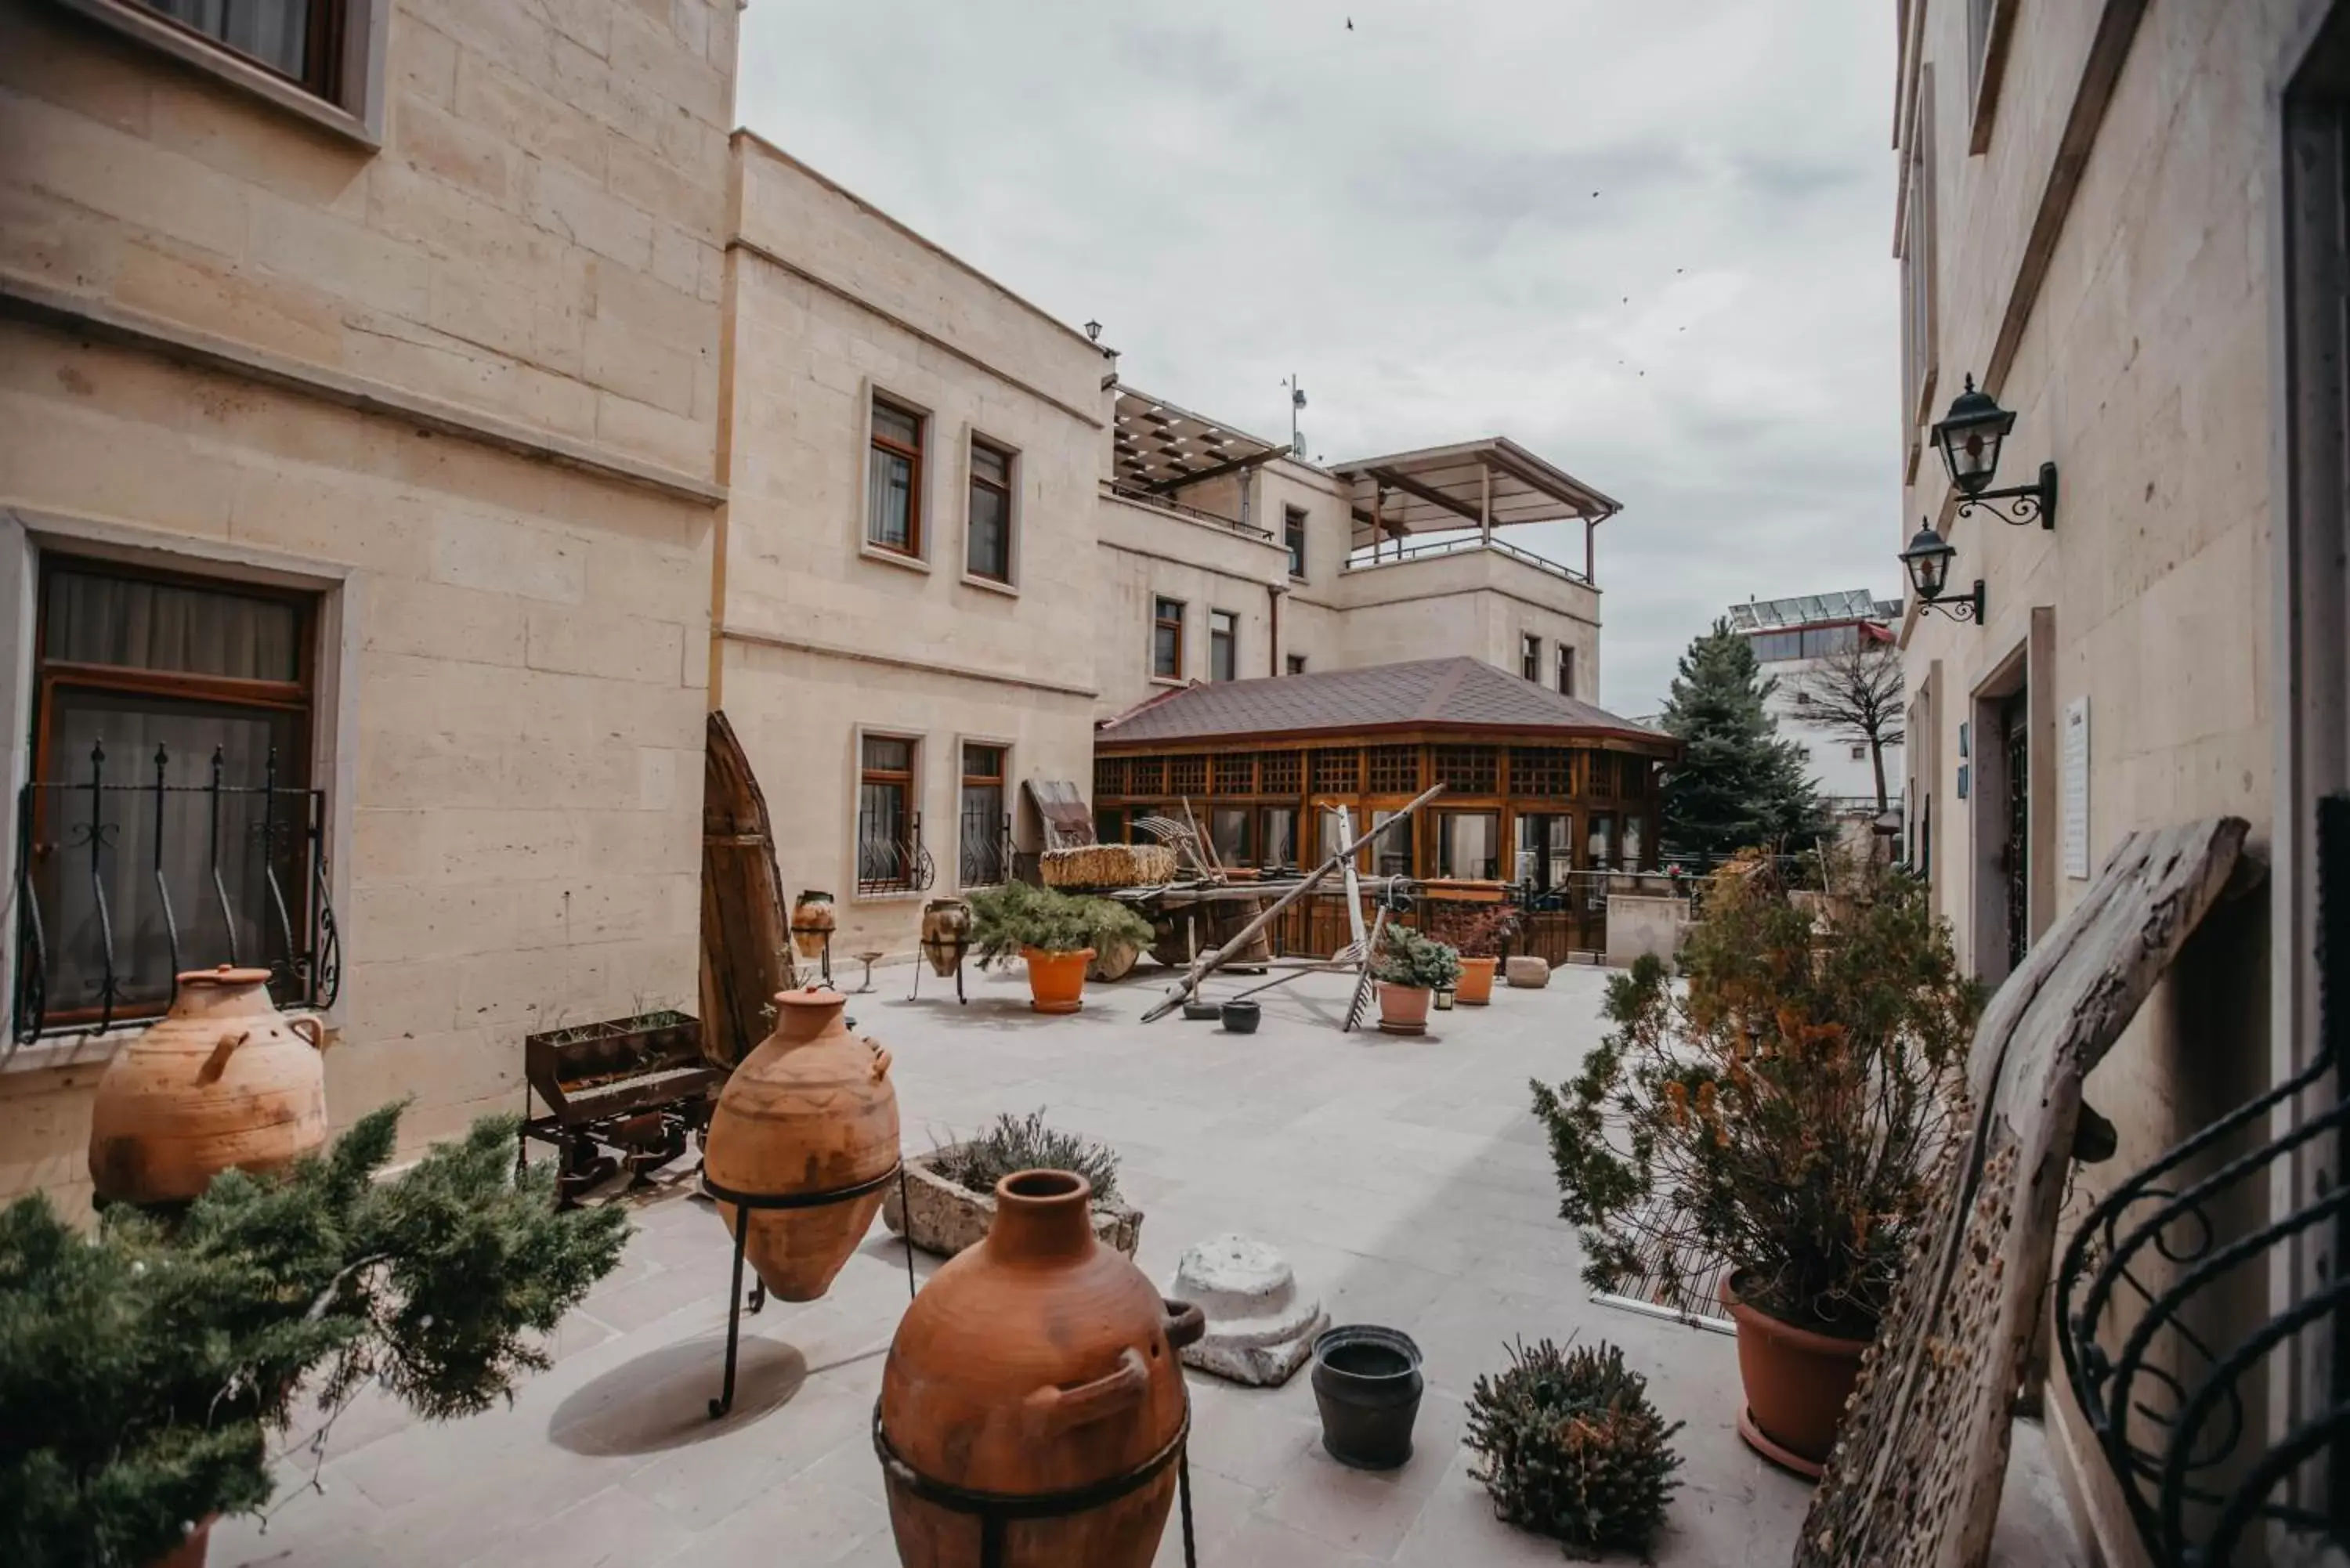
column 1428, row 692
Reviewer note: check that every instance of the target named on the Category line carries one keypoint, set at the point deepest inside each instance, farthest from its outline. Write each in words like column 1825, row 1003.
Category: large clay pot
column 1036, row 1362
column 810, row 1110
column 1403, row 1009
column 1475, row 987
column 1796, row 1382
column 946, row 932
column 1057, row 981
column 223, row 1079
column 812, row 922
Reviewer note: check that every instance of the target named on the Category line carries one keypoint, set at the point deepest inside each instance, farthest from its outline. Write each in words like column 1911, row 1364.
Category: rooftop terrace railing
column 1159, row 503
column 1373, row 556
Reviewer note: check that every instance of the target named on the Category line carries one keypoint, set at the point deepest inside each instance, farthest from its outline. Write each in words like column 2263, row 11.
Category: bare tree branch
column 1855, row 694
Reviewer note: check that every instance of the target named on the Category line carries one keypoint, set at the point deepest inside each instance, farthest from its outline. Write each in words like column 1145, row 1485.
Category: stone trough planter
column 948, row 1217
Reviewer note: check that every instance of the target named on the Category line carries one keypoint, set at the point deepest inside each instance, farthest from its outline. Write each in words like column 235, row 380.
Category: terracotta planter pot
column 1037, row 1363
column 1403, row 1009
column 1796, row 1381
column 224, row 1079
column 1057, row 981
column 946, row 931
column 190, row 1552
column 811, row 1110
column 1475, row 988
column 812, row 922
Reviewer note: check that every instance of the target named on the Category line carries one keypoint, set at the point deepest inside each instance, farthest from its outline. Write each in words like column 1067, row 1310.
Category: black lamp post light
column 1970, row 437
column 1928, row 559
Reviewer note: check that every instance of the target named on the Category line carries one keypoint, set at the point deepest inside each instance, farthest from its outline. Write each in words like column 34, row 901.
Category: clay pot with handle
column 222, row 1080
column 811, row 1109
column 1038, row 1363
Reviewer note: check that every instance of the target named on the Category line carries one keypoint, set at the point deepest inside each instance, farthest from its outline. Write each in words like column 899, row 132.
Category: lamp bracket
column 1970, row 608
column 2024, row 503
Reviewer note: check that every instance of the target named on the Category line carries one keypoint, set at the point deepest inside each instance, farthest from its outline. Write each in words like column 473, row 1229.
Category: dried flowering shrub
column 1793, row 1100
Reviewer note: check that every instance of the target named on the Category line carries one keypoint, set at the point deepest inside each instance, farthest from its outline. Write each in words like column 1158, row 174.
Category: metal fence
column 124, row 879
column 1562, row 925
column 890, row 862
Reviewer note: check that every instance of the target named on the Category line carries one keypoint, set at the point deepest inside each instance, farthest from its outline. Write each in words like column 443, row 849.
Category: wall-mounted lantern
column 1928, row 559
column 1970, row 437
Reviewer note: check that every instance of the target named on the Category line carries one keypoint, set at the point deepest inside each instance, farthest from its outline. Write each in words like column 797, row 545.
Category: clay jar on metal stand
column 1036, row 1362
column 811, row 1109
column 223, row 1079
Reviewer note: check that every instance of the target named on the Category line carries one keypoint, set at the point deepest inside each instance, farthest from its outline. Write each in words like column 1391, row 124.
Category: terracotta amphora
column 812, row 922
column 1037, row 1363
column 811, row 1109
column 222, row 1080
column 946, row 933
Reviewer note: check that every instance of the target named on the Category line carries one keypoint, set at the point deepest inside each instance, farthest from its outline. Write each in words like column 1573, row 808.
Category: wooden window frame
column 1225, row 626
column 322, row 49
column 1920, row 301
column 1530, row 657
column 1161, row 621
column 1297, row 664
column 875, row 440
column 1292, row 539
column 341, row 88
column 1565, row 662
column 1010, row 491
column 905, row 781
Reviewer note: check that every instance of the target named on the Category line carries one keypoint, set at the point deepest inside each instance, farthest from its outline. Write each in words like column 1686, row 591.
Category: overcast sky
column 1405, row 215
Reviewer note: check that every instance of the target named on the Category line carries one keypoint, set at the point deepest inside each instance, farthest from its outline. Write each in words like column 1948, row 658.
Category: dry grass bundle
column 1109, row 866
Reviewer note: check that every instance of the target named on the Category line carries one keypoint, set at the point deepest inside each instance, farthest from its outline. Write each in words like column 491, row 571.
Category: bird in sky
column 1350, row 24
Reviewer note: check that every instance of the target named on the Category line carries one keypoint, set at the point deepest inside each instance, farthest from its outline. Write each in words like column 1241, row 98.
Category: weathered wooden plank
column 746, row 934
column 1914, row 1479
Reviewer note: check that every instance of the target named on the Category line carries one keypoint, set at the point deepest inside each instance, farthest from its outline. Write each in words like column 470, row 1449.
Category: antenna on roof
column 1296, row 402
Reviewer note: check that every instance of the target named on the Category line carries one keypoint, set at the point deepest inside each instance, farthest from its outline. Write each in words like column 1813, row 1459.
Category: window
column 1989, row 23
column 1293, row 534
column 1468, row 845
column 1109, row 826
column 1277, row 845
column 1228, row 830
column 983, row 855
column 1391, row 855
column 1860, row 753
column 887, row 822
column 1600, row 843
column 1633, row 827
column 1224, row 645
column 188, row 701
column 1167, row 639
column 1332, row 829
column 987, row 550
column 1545, row 849
column 893, row 498
column 1565, row 670
column 1918, row 312
column 1530, row 657
column 300, row 40
column 1297, row 664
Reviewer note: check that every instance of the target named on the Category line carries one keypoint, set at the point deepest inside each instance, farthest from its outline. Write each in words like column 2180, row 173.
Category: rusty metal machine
column 626, row 1093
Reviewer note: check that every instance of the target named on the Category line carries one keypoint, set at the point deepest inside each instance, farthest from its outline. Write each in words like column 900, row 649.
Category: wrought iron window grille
column 985, row 850
column 888, row 865
column 2168, row 1407
column 80, row 824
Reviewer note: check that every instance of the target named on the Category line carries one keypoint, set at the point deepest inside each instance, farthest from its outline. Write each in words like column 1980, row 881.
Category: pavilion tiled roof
column 1425, row 694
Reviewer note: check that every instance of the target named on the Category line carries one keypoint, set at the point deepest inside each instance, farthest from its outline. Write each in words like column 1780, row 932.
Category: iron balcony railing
column 890, row 862
column 1152, row 499
column 2174, row 1393
column 122, row 882
column 1374, row 555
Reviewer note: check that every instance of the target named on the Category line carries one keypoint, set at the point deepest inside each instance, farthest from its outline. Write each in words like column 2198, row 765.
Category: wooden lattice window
column 1109, row 776
column 1189, row 775
column 1542, row 771
column 1280, row 772
column 1236, row 774
column 1469, row 770
column 1337, row 769
column 1146, row 775
column 1603, row 774
column 1392, row 770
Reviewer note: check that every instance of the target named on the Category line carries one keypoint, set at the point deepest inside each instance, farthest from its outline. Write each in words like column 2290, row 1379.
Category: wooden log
column 1208, row 963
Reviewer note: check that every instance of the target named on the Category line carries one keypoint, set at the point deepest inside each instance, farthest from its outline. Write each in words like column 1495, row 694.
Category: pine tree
column 1737, row 785
column 145, row 1369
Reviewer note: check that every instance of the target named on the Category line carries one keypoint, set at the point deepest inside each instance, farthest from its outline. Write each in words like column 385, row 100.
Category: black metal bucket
column 1240, row 1017
column 1367, row 1385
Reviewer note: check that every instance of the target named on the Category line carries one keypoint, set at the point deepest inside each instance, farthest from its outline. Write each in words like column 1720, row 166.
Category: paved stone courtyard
column 1406, row 1179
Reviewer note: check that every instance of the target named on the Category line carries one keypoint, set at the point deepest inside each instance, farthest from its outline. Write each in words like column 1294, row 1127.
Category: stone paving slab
column 1405, row 1179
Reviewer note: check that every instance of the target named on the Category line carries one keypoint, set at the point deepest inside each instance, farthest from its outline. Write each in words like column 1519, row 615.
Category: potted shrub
column 1411, row 969
column 1568, row 1446
column 1057, row 933
column 148, row 1370
column 1796, row 1104
column 952, row 1190
column 1477, row 932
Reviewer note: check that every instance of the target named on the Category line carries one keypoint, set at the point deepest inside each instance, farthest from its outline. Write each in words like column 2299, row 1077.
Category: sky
column 1650, row 241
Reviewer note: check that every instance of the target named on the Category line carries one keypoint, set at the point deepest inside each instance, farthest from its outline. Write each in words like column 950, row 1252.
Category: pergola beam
column 1232, row 465
column 1433, row 496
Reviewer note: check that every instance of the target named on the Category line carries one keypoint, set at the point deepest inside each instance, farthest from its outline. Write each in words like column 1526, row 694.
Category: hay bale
column 1108, row 866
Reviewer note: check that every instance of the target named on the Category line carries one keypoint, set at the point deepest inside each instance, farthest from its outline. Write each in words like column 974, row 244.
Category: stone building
column 2122, row 223
column 954, row 540
column 359, row 417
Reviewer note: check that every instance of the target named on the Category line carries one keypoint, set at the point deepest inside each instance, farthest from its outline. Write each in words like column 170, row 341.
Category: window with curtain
column 1565, row 670
column 297, row 39
column 1293, row 534
column 1391, row 855
column 1228, row 830
column 1633, row 829
column 1530, row 657
column 156, row 686
column 1277, row 844
column 1224, row 645
column 988, row 550
column 1167, row 639
column 984, row 853
column 1545, row 849
column 1601, row 840
column 893, row 487
column 1468, row 845
column 885, row 815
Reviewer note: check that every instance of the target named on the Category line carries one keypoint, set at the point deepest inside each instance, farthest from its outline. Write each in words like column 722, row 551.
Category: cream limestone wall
column 1479, row 602
column 2144, row 370
column 204, row 296
column 1144, row 553
column 821, row 639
